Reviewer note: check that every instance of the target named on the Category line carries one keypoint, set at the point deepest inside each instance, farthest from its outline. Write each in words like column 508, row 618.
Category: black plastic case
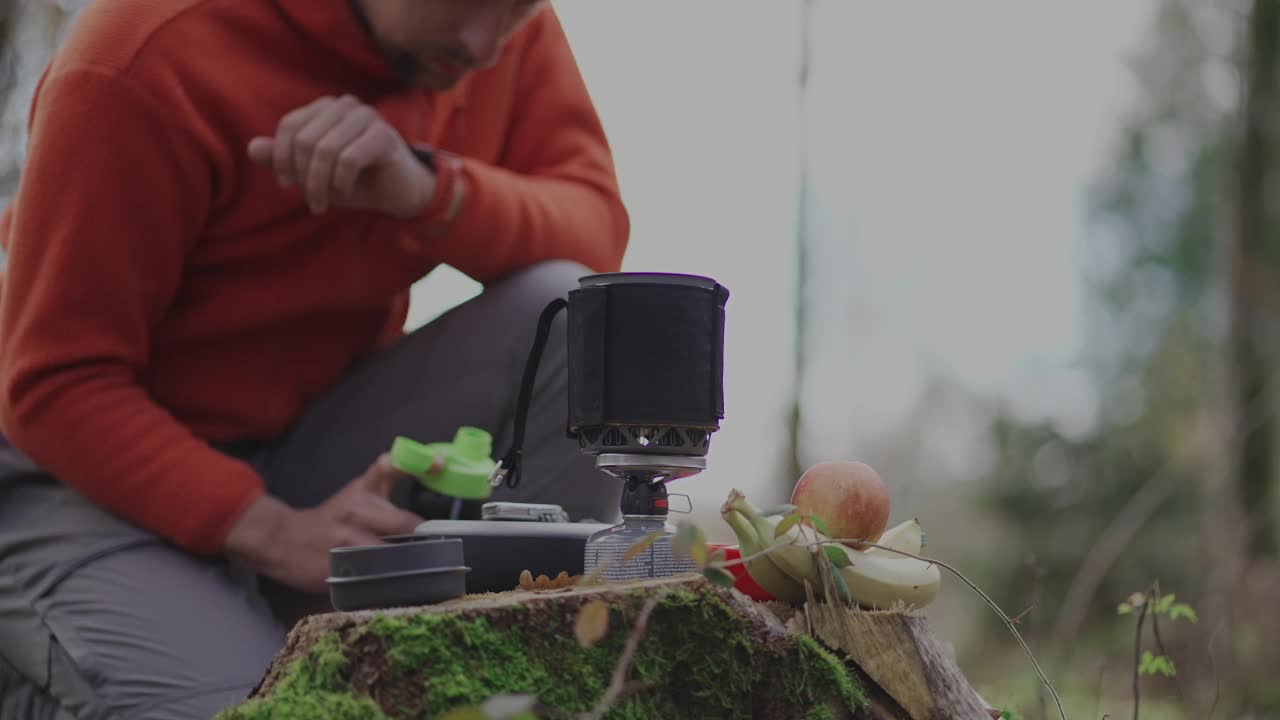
column 497, row 551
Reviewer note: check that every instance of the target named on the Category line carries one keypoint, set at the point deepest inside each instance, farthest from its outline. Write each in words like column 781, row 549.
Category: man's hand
column 292, row 546
column 343, row 154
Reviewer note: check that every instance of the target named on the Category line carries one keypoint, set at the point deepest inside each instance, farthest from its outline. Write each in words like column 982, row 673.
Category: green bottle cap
column 467, row 463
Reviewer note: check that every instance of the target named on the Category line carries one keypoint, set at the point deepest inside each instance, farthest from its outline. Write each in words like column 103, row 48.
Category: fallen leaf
column 592, row 623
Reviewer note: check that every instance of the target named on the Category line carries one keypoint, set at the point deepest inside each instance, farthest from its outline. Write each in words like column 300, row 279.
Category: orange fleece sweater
column 162, row 292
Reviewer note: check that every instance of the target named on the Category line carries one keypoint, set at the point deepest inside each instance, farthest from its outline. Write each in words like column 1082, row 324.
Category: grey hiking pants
column 100, row 619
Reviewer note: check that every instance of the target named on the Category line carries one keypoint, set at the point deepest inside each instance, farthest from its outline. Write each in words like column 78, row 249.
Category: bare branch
column 1008, row 622
column 1137, row 652
column 1213, row 664
column 1133, row 517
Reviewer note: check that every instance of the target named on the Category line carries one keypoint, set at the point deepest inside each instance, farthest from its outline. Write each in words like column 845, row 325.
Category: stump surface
column 707, row 652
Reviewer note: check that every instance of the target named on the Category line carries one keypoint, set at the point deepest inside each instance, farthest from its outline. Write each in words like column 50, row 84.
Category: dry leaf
column 592, row 623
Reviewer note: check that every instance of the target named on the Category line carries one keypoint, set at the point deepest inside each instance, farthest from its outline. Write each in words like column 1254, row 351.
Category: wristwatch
column 450, row 190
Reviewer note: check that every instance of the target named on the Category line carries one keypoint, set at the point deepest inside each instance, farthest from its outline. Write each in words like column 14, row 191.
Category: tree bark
column 1251, row 281
column 1239, row 517
column 902, row 669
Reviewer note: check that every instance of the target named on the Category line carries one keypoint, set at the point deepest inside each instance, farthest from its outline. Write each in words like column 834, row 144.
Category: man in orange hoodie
column 223, row 208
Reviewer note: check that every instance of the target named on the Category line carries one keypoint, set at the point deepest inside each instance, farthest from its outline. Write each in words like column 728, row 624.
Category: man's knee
column 520, row 299
column 531, row 289
column 553, row 276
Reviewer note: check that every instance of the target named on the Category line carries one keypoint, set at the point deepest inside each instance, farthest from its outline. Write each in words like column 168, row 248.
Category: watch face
column 425, row 156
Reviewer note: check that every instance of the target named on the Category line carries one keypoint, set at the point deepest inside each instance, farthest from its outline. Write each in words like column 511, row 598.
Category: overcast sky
column 952, row 143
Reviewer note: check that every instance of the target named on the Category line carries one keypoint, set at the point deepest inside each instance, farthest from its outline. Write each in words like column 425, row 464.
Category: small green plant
column 1145, row 662
column 1156, row 605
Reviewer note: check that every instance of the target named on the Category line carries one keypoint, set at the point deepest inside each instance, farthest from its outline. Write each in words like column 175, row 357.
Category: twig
column 1155, row 630
column 1137, row 653
column 1110, row 545
column 1017, row 619
column 987, row 598
column 1037, row 628
column 749, row 558
column 1097, row 696
column 1213, row 664
column 1134, row 515
column 619, row 680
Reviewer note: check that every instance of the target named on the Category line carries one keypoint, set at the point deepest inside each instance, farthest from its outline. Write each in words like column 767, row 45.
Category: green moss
column 314, row 688
column 819, row 677
column 315, row 706
column 696, row 660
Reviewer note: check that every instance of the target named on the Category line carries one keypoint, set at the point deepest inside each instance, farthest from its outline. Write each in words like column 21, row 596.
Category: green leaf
column 1162, row 605
column 1156, row 665
column 821, row 526
column 690, row 542
column 1124, row 609
column 787, row 523
column 641, row 545
column 842, row 588
column 778, row 510
column 837, row 556
column 719, row 576
column 1183, row 610
column 592, row 623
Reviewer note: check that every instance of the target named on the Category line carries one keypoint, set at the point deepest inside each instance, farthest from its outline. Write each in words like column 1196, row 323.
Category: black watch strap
column 425, row 156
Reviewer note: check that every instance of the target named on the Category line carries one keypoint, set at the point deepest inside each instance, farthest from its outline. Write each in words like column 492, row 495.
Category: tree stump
column 705, row 652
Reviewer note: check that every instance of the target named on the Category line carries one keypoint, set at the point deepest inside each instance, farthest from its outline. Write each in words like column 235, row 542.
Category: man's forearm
column 508, row 220
column 103, row 436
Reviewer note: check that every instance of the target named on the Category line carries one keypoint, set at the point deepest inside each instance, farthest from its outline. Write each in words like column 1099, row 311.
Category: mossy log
column 706, row 652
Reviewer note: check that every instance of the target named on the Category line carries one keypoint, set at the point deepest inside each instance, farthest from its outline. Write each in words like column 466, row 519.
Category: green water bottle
column 466, row 465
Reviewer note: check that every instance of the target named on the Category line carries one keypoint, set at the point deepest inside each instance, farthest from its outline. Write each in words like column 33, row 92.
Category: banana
column 789, row 552
column 880, row 582
column 907, row 537
column 762, row 569
column 874, row 581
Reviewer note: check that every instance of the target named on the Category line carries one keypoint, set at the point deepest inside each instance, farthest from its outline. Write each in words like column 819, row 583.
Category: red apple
column 848, row 497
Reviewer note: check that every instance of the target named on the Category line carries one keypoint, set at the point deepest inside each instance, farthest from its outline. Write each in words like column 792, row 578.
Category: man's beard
column 404, row 65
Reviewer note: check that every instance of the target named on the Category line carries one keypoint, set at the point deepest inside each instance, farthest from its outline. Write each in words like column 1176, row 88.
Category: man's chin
column 432, row 82
column 436, row 84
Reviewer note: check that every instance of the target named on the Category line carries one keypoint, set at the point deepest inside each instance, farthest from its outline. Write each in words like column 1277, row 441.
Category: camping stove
column 645, row 370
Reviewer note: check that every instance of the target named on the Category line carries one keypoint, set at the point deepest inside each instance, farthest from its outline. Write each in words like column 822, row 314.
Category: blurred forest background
column 1168, row 473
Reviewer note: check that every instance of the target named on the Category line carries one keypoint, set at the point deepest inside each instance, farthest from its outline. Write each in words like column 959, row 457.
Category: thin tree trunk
column 1251, row 277
column 794, row 460
column 1239, row 489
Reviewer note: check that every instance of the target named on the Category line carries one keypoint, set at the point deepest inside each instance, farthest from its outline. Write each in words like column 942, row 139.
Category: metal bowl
column 405, row 572
column 398, row 555
column 403, row 589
